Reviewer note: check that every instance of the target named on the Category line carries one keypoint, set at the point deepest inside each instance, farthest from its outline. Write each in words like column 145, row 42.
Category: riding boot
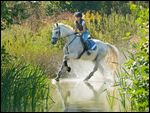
column 85, row 45
column 86, row 48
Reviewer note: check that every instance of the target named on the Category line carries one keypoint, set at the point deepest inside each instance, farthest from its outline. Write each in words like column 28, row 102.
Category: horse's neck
column 71, row 37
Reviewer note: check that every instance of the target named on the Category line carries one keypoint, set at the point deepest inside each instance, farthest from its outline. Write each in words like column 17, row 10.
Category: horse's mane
column 65, row 26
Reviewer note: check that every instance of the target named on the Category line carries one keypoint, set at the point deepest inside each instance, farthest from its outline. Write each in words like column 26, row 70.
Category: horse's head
column 55, row 33
column 60, row 30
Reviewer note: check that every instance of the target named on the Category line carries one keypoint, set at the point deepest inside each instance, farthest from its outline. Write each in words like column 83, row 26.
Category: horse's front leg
column 66, row 58
column 64, row 64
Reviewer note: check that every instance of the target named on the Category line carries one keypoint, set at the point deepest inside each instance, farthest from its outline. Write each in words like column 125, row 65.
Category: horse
column 74, row 49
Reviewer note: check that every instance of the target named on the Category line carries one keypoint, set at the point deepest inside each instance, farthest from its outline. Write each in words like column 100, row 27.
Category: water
column 77, row 95
column 72, row 94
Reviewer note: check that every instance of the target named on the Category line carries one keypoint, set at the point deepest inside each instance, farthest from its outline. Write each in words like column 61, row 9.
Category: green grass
column 24, row 88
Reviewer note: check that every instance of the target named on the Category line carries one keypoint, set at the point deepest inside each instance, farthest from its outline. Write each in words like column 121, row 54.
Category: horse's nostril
column 53, row 42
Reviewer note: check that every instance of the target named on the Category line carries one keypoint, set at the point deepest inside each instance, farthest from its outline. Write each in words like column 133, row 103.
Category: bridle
column 64, row 36
column 60, row 33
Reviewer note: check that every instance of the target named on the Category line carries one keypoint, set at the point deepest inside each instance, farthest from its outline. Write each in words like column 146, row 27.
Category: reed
column 24, row 88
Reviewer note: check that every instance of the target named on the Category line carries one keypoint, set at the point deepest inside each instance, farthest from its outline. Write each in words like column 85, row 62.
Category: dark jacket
column 79, row 25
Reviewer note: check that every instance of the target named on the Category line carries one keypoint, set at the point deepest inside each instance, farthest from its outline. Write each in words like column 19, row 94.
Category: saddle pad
column 91, row 44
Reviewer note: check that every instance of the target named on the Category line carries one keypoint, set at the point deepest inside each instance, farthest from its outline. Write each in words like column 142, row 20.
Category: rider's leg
column 85, row 40
column 85, row 35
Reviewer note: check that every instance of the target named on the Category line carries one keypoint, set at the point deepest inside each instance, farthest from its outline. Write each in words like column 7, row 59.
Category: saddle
column 89, row 45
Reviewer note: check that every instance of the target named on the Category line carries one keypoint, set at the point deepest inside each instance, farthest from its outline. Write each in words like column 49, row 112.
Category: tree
column 5, row 15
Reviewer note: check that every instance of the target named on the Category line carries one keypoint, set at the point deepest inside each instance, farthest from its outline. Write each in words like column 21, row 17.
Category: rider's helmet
column 78, row 14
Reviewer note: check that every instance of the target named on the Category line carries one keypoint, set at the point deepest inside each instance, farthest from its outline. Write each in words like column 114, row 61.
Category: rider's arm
column 84, row 26
column 75, row 28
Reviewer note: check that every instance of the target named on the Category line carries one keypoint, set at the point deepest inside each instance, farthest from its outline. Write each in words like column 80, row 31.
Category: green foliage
column 135, row 75
column 104, row 7
column 5, row 57
column 53, row 7
column 115, row 28
column 24, row 87
column 14, row 12
column 17, row 11
column 139, row 67
column 101, row 6
column 6, row 18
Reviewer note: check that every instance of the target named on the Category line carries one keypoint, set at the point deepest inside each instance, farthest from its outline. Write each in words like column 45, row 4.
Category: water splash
column 82, row 69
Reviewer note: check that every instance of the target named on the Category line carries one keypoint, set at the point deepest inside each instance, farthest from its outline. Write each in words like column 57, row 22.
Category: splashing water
column 82, row 69
column 76, row 95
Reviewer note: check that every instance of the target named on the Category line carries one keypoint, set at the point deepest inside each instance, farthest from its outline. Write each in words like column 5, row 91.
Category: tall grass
column 133, row 76
column 24, row 87
column 115, row 28
column 34, row 48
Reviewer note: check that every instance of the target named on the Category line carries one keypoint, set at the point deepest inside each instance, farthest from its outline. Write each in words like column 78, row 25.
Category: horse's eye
column 57, row 32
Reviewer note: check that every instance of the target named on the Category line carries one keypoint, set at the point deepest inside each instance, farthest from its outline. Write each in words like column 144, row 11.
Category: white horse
column 74, row 49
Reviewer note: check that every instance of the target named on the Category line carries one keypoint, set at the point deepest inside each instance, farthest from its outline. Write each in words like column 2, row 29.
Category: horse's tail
column 114, row 56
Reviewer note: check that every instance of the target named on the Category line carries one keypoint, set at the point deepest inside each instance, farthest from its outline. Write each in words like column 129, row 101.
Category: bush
column 115, row 28
column 134, row 76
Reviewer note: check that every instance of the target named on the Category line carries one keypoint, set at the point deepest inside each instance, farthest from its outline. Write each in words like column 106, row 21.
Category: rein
column 67, row 45
column 82, row 45
column 71, row 41
column 67, row 36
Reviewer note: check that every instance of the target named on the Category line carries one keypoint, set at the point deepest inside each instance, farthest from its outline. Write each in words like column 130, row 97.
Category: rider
column 81, row 27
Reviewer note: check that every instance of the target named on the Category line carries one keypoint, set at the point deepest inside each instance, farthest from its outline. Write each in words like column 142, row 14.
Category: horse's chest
column 74, row 47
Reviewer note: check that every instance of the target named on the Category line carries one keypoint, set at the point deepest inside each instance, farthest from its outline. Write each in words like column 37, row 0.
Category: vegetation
column 29, row 59
column 135, row 73
column 24, row 87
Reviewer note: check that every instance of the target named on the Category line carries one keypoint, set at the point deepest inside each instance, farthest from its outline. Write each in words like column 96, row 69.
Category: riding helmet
column 78, row 14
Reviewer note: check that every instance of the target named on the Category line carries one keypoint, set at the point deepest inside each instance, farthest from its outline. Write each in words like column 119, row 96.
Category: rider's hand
column 76, row 33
